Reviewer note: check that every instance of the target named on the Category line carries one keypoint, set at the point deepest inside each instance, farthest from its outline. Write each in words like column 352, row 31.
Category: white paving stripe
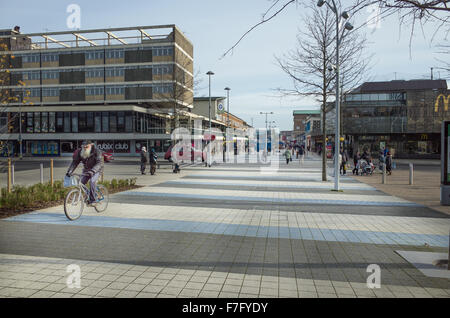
column 250, row 169
column 241, row 174
column 312, row 184
column 413, row 225
column 271, row 195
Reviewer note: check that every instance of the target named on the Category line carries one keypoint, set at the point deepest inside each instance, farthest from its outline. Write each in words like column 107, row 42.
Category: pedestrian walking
column 389, row 163
column 144, row 159
column 301, row 153
column 356, row 159
column 153, row 158
column 288, row 156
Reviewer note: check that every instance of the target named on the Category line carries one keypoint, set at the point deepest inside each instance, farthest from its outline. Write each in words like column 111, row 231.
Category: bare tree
column 309, row 64
column 179, row 93
column 8, row 96
column 411, row 12
column 444, row 63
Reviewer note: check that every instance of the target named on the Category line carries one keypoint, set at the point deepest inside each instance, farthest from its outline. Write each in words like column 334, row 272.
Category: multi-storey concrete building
column 300, row 117
column 313, row 133
column 119, row 87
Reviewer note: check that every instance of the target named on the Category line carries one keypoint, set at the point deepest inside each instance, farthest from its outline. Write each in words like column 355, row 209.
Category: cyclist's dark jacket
column 153, row 157
column 92, row 163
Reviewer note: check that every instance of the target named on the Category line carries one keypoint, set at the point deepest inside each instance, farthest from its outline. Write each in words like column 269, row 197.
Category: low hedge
column 38, row 196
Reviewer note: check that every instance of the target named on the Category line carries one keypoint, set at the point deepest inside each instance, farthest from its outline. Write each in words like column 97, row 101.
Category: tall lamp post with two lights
column 337, row 140
column 266, row 113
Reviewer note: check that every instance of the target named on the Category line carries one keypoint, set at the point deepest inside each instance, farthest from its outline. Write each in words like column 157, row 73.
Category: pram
column 364, row 167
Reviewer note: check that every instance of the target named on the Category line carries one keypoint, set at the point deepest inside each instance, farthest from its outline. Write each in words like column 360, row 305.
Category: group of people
column 300, row 151
column 145, row 158
column 385, row 158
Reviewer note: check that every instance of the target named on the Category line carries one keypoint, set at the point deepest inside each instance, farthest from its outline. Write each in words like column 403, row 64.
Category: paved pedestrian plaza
column 230, row 230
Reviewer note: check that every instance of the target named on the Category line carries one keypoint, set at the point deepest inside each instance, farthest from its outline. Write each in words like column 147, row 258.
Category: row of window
column 375, row 97
column 95, row 72
column 74, row 122
column 92, row 90
column 92, row 55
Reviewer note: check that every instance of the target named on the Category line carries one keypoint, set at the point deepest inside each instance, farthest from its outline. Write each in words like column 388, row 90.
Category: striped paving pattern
column 227, row 231
column 187, row 216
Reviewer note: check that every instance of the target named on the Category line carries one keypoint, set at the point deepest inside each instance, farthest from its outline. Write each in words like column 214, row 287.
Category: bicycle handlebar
column 80, row 175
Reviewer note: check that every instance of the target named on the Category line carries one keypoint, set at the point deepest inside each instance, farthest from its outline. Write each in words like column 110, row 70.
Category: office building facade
column 119, row 87
column 404, row 116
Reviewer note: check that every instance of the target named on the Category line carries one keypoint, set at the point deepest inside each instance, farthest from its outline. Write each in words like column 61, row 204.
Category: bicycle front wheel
column 73, row 204
column 102, row 198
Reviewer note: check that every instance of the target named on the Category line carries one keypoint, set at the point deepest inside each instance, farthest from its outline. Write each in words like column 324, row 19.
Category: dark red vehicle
column 107, row 157
column 194, row 155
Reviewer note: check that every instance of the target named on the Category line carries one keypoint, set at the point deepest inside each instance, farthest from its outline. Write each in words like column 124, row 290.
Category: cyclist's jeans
column 92, row 184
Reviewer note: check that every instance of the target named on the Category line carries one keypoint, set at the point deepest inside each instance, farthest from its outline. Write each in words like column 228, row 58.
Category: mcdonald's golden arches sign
column 445, row 101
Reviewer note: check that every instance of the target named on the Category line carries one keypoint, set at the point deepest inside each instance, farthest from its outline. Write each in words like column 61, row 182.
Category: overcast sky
column 213, row 26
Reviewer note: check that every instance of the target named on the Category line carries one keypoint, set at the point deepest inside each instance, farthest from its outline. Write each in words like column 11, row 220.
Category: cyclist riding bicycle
column 91, row 157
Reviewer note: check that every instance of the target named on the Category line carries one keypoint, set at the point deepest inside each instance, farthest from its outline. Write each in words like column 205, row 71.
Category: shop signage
column 445, row 101
column 114, row 146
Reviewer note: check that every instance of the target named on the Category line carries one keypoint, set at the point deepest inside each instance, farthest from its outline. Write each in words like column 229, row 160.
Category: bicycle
column 76, row 198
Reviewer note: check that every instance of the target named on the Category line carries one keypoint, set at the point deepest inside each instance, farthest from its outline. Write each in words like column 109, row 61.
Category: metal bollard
column 42, row 172
column 51, row 172
column 12, row 175
column 411, row 174
column 383, row 177
column 9, row 176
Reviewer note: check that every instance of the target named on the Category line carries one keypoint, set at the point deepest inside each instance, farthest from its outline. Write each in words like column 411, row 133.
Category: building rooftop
column 213, row 98
column 95, row 37
column 401, row 85
column 307, row 112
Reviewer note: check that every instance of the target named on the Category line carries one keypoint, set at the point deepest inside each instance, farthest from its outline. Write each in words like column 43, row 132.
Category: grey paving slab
column 204, row 248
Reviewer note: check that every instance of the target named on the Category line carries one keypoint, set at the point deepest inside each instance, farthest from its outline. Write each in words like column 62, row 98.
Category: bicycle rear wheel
column 102, row 197
column 73, row 204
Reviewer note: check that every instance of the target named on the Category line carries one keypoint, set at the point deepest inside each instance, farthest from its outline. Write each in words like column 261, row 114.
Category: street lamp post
column 337, row 140
column 228, row 121
column 266, row 113
column 209, row 108
column 228, row 105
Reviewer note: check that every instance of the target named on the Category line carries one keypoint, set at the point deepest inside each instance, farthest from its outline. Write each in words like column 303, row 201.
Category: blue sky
column 213, row 26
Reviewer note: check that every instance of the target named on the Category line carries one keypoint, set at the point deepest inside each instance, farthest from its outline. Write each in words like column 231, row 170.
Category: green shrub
column 31, row 196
